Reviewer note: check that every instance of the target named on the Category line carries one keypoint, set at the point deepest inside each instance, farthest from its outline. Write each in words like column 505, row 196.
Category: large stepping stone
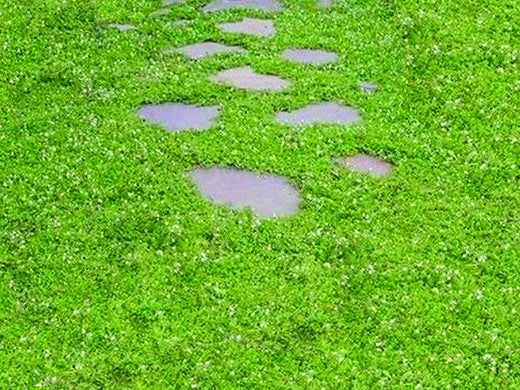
column 321, row 113
column 267, row 195
column 177, row 117
column 366, row 164
column 308, row 56
column 206, row 49
column 122, row 27
column 257, row 27
column 167, row 3
column 264, row 5
column 247, row 78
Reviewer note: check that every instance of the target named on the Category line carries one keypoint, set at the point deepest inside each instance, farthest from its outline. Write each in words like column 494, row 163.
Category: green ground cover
column 116, row 274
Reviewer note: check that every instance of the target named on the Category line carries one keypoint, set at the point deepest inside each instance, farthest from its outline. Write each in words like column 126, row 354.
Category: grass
column 115, row 274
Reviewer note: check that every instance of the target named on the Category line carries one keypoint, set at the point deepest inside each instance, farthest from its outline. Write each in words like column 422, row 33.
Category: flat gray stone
column 206, row 49
column 264, row 5
column 366, row 164
column 161, row 12
column 248, row 79
column 122, row 27
column 177, row 117
column 321, row 113
column 324, row 3
column 308, row 56
column 368, row 88
column 267, row 195
column 257, row 27
column 167, row 3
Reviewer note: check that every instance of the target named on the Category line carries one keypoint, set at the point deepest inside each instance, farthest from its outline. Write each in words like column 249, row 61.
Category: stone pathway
column 266, row 195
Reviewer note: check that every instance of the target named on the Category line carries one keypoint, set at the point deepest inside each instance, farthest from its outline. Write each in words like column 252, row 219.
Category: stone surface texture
column 320, row 113
column 366, row 164
column 264, row 5
column 206, row 49
column 267, row 195
column 309, row 56
column 257, row 27
column 247, row 78
column 177, row 117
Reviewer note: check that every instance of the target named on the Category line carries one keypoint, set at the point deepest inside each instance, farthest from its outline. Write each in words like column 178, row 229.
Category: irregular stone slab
column 321, row 113
column 206, row 49
column 264, row 5
column 366, row 164
column 248, row 79
column 308, row 56
column 267, row 195
column 368, row 88
column 257, row 27
column 167, row 3
column 177, row 117
column 122, row 27
column 324, row 3
column 161, row 12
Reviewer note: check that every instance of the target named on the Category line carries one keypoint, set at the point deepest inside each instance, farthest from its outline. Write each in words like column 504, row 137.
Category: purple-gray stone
column 177, row 117
column 267, row 195
column 320, row 113
column 366, row 164
column 206, row 49
column 264, row 5
column 248, row 79
column 257, row 27
column 309, row 56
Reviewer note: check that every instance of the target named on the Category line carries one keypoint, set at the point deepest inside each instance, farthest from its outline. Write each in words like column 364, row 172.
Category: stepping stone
column 167, row 3
column 267, row 195
column 308, row 56
column 368, row 88
column 248, row 79
column 258, row 27
column 366, row 164
column 122, row 27
column 177, row 117
column 206, row 49
column 264, row 5
column 161, row 12
column 329, row 113
column 324, row 3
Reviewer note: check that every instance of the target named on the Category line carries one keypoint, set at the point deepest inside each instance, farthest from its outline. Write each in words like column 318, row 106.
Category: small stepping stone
column 368, row 88
column 122, row 27
column 264, row 5
column 257, row 27
column 177, row 117
column 366, row 164
column 324, row 3
column 206, row 49
column 161, row 12
column 308, row 56
column 267, row 195
column 321, row 113
column 167, row 3
column 247, row 78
